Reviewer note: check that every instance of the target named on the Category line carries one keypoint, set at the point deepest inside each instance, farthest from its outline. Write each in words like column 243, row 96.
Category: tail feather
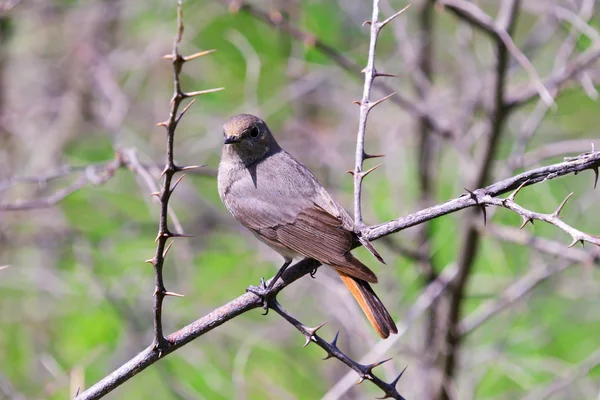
column 373, row 308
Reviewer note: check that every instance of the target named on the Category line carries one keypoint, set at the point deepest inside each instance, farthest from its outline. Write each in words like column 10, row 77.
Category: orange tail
column 371, row 305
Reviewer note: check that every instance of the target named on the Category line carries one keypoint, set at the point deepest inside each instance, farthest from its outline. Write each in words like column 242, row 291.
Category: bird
column 281, row 202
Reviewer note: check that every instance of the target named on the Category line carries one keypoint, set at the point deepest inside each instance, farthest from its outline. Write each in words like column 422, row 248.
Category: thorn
column 525, row 221
column 150, row 261
column 164, row 171
column 367, row 172
column 574, row 242
column 164, row 123
column 157, row 194
column 179, row 235
column 595, row 176
column 307, row 342
column 385, row 22
column 167, row 57
column 335, row 339
column 181, row 114
column 189, row 167
column 368, row 156
column 177, row 183
column 513, row 194
column 395, row 381
column 166, row 293
column 372, row 105
column 158, row 237
column 560, row 207
column 314, row 330
column 361, row 380
column 483, row 206
column 377, row 364
column 311, row 332
column 77, row 391
column 197, row 55
column 168, row 248
column 382, row 74
column 472, row 194
column 357, row 102
column 367, row 22
column 349, row 171
column 201, row 92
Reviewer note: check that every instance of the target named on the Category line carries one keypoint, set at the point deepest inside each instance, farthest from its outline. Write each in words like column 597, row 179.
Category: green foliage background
column 76, row 301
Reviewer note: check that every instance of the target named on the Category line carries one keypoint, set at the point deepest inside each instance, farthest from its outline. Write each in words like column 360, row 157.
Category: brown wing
column 317, row 234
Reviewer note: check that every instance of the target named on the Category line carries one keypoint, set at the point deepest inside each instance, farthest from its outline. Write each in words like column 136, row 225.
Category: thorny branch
column 365, row 107
column 160, row 292
column 365, row 371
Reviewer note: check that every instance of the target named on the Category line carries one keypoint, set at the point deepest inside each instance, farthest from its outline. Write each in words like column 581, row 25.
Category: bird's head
column 248, row 137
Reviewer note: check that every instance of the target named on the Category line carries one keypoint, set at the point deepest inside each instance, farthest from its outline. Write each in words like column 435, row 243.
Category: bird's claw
column 313, row 272
column 263, row 292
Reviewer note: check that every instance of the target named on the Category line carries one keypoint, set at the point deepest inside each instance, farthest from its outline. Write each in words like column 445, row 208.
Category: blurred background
column 81, row 80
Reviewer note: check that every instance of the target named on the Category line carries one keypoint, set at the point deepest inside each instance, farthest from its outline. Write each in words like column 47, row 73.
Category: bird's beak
column 231, row 139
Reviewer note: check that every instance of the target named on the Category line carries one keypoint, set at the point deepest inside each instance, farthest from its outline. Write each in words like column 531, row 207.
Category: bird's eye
column 254, row 132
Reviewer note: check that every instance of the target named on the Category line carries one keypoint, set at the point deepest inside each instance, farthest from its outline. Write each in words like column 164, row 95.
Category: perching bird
column 284, row 205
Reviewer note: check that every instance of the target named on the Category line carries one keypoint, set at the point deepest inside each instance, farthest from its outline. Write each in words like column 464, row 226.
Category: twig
column 515, row 292
column 365, row 371
column 549, row 150
column 477, row 17
column 160, row 343
column 248, row 301
column 553, row 219
column 417, row 110
column 542, row 245
column 95, row 174
column 428, row 298
column 96, row 169
column 589, row 161
column 557, row 79
column 365, row 107
column 567, row 378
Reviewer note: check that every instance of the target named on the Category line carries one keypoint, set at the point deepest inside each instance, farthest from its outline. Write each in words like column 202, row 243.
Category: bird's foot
column 263, row 292
column 313, row 272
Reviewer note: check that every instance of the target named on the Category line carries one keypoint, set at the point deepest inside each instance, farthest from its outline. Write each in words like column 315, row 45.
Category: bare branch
column 588, row 161
column 160, row 343
column 475, row 16
column 566, row 378
column 365, row 108
column 95, row 174
column 546, row 246
column 515, row 292
column 552, row 219
column 557, row 79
